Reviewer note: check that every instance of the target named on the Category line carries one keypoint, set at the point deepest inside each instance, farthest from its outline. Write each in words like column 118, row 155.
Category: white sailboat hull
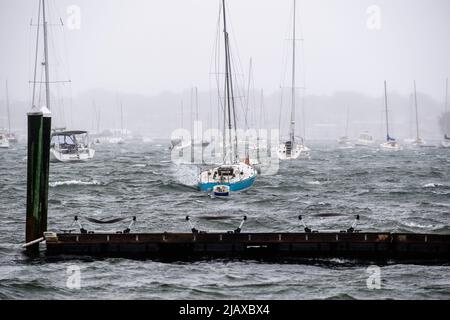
column 80, row 155
column 390, row 146
column 298, row 151
column 445, row 144
column 4, row 143
column 243, row 176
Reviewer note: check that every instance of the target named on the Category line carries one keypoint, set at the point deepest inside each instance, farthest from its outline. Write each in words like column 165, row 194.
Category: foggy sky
column 148, row 47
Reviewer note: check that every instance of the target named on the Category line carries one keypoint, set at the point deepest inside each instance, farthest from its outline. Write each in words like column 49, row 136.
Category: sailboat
column 418, row 141
column 70, row 146
column 65, row 145
column 365, row 139
column 4, row 143
column 292, row 149
column 344, row 141
column 232, row 174
column 12, row 138
column 390, row 144
column 446, row 142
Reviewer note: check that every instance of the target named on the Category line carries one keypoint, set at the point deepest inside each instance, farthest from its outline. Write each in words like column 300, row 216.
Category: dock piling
column 34, row 169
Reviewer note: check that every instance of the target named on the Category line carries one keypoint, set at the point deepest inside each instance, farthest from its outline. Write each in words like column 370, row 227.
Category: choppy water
column 401, row 191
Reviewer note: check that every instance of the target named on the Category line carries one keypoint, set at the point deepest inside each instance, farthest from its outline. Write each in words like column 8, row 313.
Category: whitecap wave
column 432, row 185
column 73, row 182
column 313, row 182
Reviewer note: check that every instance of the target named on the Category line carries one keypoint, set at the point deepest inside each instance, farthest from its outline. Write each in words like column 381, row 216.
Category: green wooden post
column 46, row 137
column 34, row 168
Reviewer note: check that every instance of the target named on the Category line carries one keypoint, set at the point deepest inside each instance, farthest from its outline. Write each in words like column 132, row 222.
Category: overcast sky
column 151, row 46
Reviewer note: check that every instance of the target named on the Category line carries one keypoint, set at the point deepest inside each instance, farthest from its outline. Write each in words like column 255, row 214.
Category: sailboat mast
column 346, row 122
column 227, row 78
column 47, row 78
column 292, row 126
column 446, row 104
column 121, row 118
column 7, row 108
column 386, row 107
column 417, row 112
column 250, row 69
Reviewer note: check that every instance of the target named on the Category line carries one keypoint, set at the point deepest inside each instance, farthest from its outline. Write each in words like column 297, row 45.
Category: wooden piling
column 34, row 168
column 46, row 137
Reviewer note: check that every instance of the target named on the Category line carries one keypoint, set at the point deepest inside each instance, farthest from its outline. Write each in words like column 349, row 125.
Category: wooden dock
column 264, row 246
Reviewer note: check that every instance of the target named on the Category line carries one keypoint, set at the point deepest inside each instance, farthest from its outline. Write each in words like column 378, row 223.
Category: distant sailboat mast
column 417, row 112
column 388, row 138
column 229, row 99
column 7, row 108
column 292, row 124
column 446, row 126
column 347, row 122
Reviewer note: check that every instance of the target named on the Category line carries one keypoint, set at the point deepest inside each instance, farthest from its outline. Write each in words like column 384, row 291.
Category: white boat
column 418, row 141
column 70, row 146
column 391, row 144
column 344, row 141
column 446, row 142
column 232, row 173
column 364, row 140
column 293, row 149
column 4, row 143
column 12, row 138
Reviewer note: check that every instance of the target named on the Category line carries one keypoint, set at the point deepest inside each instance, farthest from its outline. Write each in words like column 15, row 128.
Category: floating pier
column 260, row 246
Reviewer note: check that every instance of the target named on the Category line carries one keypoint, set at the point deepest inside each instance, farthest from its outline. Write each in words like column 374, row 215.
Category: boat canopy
column 225, row 171
column 68, row 133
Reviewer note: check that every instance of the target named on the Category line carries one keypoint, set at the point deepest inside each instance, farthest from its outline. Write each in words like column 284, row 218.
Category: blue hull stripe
column 241, row 185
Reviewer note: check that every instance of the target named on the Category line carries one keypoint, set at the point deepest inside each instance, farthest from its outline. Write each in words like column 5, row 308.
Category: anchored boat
column 232, row 173
column 70, row 146
column 293, row 149
column 4, row 142
column 391, row 144
column 446, row 142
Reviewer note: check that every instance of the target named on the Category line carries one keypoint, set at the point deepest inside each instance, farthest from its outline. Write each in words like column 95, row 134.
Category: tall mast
column 250, row 69
column 417, row 112
column 386, row 106
column 446, row 103
column 196, row 104
column 227, row 79
column 47, row 78
column 346, row 122
column 121, row 117
column 36, row 55
column 182, row 114
column 7, row 108
column 292, row 125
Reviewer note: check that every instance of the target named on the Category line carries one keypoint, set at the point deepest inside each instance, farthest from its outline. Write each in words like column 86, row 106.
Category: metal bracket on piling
column 82, row 230
column 307, row 230
column 238, row 230
column 191, row 225
column 354, row 224
column 127, row 230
